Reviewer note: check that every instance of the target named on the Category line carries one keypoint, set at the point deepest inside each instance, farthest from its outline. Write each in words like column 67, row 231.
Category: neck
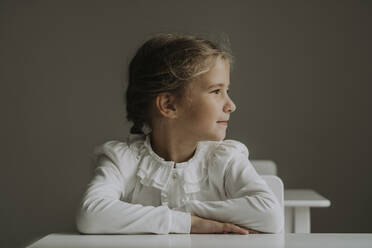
column 171, row 146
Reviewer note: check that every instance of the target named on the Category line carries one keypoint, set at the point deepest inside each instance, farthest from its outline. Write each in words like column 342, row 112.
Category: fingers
column 200, row 225
column 231, row 228
column 251, row 231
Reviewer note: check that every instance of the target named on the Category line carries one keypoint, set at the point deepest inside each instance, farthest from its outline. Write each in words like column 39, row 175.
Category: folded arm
column 102, row 211
column 250, row 204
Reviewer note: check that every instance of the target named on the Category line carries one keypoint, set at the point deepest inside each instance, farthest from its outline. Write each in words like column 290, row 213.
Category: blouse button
column 174, row 176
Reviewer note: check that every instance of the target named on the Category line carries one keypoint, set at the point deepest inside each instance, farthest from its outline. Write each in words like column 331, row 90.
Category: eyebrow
column 216, row 85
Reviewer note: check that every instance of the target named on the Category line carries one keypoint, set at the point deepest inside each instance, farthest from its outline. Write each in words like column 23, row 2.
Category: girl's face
column 205, row 110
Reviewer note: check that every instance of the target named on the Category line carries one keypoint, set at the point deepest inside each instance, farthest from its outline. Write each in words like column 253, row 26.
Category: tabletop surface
column 304, row 198
column 329, row 240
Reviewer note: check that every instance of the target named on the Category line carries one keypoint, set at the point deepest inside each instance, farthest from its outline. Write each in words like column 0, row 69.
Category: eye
column 218, row 91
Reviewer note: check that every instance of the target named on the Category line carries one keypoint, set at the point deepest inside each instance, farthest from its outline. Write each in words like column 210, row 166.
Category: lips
column 222, row 122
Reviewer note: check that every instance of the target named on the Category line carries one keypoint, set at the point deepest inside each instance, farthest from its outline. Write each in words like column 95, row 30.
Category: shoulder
column 222, row 154
column 226, row 149
column 233, row 147
column 120, row 153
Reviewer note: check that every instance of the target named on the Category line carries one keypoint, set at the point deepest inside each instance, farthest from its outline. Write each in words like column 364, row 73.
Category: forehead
column 219, row 73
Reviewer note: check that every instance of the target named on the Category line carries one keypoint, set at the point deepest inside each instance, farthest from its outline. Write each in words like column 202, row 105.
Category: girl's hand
column 200, row 225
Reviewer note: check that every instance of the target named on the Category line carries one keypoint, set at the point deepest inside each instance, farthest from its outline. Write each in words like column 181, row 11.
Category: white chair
column 265, row 167
column 276, row 185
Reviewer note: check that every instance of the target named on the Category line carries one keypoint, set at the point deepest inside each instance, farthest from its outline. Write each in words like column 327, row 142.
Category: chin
column 215, row 137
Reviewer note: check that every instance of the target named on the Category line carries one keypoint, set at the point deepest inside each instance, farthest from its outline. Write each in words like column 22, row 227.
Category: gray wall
column 302, row 82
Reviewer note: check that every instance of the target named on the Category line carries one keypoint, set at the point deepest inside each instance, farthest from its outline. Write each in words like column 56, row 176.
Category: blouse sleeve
column 250, row 202
column 102, row 210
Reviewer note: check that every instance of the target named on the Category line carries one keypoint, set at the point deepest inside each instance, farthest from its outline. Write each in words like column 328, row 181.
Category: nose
column 229, row 106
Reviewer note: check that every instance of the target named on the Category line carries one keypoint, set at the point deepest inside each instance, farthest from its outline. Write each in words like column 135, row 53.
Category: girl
column 175, row 173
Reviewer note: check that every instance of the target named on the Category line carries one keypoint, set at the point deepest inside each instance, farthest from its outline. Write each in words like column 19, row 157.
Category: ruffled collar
column 147, row 144
column 156, row 172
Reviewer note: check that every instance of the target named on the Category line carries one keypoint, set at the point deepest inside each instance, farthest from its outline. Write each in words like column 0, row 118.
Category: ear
column 166, row 105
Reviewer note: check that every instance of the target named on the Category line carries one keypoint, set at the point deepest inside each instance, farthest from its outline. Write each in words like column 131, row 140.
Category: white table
column 297, row 203
column 206, row 240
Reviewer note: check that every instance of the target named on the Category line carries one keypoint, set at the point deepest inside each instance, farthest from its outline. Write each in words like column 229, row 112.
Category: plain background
column 301, row 83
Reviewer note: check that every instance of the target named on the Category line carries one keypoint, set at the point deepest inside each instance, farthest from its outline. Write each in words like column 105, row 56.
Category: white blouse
column 136, row 191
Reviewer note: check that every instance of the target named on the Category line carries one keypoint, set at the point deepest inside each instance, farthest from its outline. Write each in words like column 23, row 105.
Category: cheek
column 204, row 112
column 201, row 110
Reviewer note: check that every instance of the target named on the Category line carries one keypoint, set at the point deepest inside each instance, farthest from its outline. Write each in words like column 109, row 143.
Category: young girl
column 176, row 173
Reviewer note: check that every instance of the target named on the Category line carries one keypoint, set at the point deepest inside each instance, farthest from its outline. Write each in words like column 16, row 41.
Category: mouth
column 223, row 122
